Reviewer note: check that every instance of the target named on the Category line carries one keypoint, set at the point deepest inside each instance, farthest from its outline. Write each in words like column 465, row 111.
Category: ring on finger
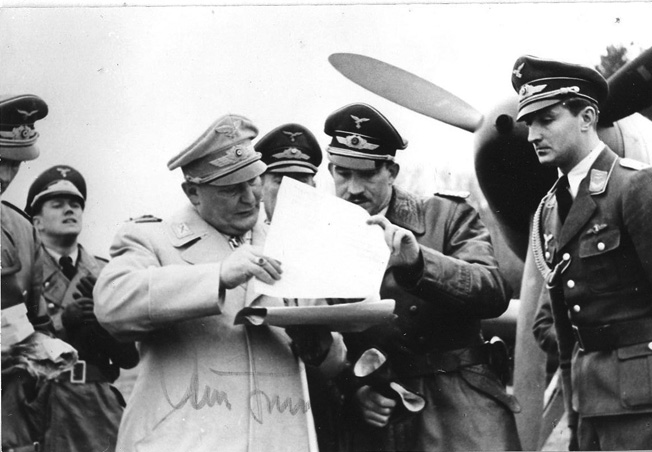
column 261, row 261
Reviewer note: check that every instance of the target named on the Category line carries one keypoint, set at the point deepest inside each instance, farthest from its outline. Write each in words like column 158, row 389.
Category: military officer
column 290, row 150
column 176, row 285
column 21, row 275
column 84, row 408
column 21, row 254
column 592, row 243
column 445, row 279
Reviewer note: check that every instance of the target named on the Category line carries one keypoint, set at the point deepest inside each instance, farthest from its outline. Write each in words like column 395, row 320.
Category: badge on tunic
column 182, row 230
column 598, row 180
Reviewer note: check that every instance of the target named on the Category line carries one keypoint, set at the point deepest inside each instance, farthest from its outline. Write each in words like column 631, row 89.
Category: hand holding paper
column 326, row 246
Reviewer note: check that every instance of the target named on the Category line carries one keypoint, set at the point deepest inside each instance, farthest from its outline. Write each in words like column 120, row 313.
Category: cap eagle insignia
column 26, row 114
column 359, row 121
column 292, row 135
column 230, row 131
column 517, row 72
column 63, row 171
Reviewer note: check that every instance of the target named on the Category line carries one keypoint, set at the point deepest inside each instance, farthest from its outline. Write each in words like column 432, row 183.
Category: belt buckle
column 78, row 372
column 576, row 331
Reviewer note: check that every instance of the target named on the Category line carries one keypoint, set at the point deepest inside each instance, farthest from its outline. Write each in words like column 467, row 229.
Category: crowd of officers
column 426, row 380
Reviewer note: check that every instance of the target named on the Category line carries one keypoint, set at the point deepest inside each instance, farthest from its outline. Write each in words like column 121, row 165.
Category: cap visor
column 256, row 168
column 352, row 162
column 536, row 106
column 19, row 153
column 291, row 169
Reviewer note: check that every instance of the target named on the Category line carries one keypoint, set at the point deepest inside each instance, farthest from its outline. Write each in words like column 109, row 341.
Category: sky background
column 130, row 87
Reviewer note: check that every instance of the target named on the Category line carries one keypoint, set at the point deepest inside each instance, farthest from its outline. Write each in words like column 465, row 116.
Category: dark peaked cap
column 361, row 136
column 59, row 180
column 18, row 113
column 290, row 148
column 542, row 83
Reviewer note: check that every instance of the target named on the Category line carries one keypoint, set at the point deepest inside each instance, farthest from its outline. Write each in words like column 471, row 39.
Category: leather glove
column 78, row 313
column 311, row 343
column 85, row 286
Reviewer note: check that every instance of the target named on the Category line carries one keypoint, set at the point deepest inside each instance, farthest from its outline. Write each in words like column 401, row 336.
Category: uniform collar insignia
column 292, row 135
column 599, row 180
column 182, row 230
column 529, row 90
column 546, row 239
column 359, row 121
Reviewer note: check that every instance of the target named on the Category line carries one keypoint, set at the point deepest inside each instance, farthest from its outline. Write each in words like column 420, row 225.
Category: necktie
column 564, row 198
column 67, row 266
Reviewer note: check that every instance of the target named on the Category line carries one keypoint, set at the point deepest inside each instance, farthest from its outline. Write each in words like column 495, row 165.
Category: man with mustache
column 84, row 409
column 445, row 279
column 592, row 244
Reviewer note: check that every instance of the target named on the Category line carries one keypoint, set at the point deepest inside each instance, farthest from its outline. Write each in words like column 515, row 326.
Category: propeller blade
column 407, row 90
column 630, row 89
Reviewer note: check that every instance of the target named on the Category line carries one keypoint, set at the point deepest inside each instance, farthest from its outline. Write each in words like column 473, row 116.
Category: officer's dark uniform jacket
column 83, row 416
column 602, row 288
column 437, row 328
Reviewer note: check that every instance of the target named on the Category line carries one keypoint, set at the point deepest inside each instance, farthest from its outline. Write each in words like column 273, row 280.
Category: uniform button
column 47, row 284
column 24, row 293
column 577, row 308
column 566, row 256
column 601, row 246
column 649, row 345
column 547, row 254
column 570, row 283
column 50, row 305
column 413, row 309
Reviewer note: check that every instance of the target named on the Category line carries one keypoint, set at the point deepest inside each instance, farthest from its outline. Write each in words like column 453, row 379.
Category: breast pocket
column 597, row 252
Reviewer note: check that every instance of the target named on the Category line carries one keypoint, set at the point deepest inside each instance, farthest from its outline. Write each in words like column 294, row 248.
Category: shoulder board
column 633, row 164
column 17, row 209
column 146, row 219
column 458, row 195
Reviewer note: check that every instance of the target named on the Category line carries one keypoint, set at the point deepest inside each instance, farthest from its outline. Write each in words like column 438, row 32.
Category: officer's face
column 271, row 184
column 8, row 170
column 556, row 135
column 60, row 216
column 231, row 209
column 370, row 189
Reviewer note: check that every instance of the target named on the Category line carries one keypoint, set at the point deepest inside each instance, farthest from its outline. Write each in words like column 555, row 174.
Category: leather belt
column 81, row 373
column 439, row 362
column 613, row 335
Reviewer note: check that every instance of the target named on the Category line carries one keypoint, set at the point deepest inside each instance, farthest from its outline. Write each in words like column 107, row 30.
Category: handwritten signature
column 259, row 401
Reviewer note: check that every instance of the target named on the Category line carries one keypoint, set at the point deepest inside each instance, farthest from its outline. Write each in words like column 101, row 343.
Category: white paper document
column 325, row 246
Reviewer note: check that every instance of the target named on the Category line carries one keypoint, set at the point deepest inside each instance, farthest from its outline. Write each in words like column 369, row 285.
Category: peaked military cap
column 56, row 181
column 290, row 148
column 362, row 136
column 17, row 117
column 222, row 155
column 542, row 83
